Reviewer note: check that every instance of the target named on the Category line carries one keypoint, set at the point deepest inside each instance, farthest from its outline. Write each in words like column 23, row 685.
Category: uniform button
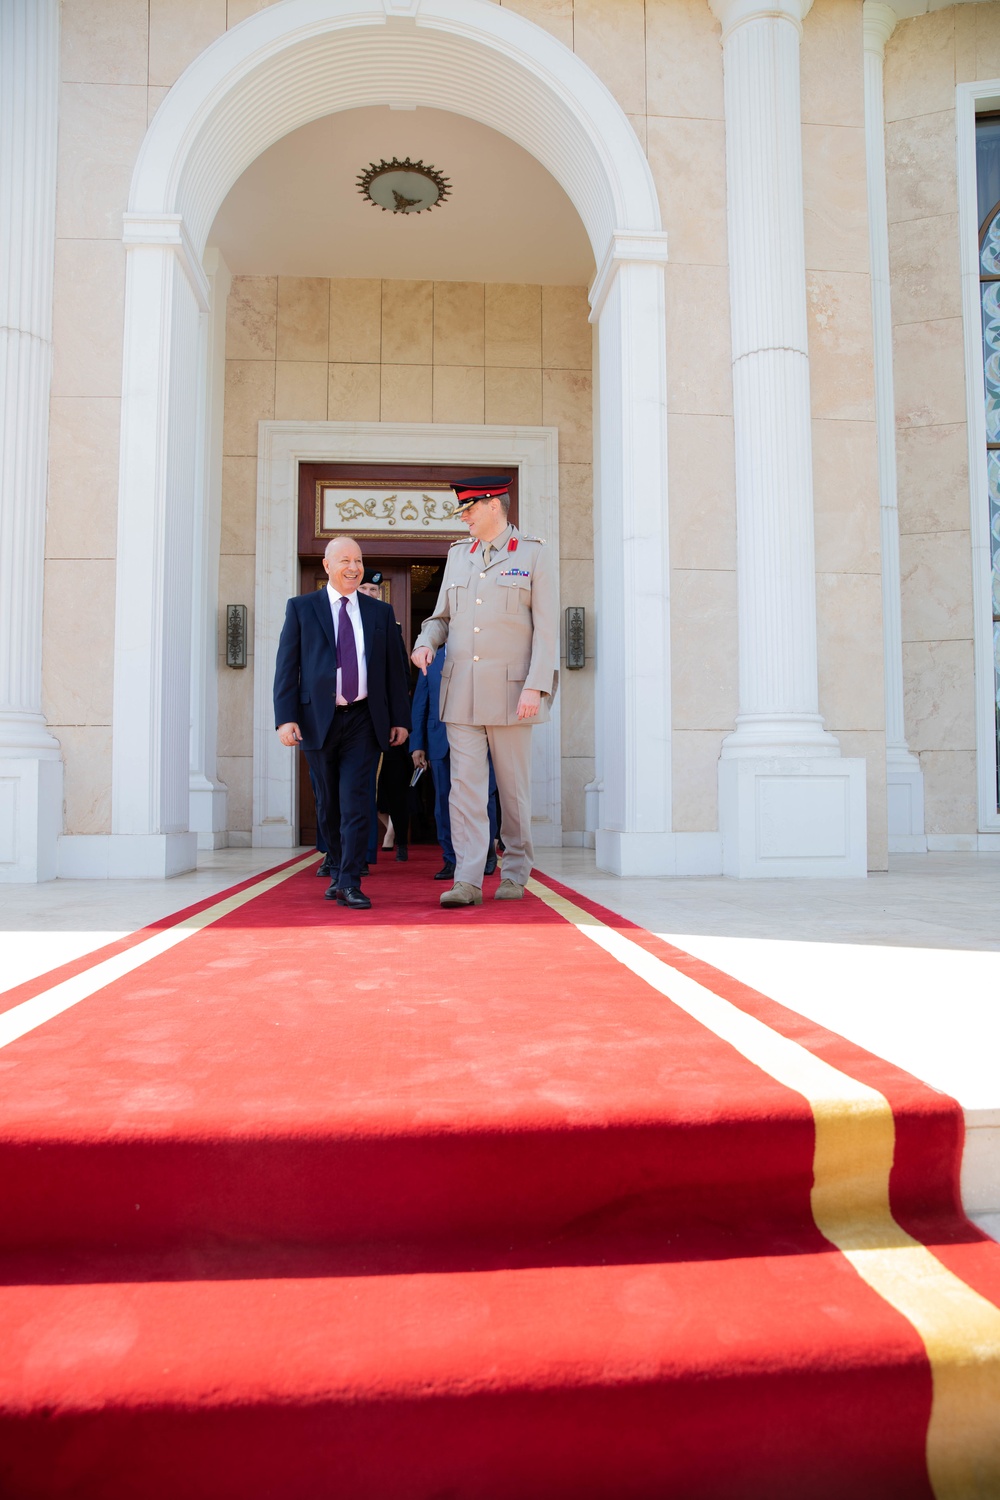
column 482, row 575
column 479, row 601
column 476, row 629
column 475, row 658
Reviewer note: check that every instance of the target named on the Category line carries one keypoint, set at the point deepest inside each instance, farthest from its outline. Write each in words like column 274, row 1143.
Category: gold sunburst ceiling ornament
column 403, row 187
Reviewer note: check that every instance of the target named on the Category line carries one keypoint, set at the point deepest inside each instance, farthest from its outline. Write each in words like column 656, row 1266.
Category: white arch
column 279, row 69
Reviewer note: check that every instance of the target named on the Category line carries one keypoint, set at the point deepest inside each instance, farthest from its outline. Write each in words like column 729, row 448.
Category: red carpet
column 409, row 1203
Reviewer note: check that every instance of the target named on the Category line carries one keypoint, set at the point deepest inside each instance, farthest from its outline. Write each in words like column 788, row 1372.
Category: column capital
column 733, row 13
column 878, row 24
column 169, row 231
column 625, row 247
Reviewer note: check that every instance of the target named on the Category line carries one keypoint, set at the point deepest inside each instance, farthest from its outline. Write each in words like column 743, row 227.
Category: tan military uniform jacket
column 502, row 628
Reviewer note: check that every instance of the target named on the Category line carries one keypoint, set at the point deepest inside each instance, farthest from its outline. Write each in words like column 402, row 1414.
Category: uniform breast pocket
column 518, row 592
column 458, row 597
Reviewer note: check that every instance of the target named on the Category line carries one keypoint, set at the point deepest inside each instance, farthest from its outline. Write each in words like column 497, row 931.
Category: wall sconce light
column 576, row 637
column 236, row 635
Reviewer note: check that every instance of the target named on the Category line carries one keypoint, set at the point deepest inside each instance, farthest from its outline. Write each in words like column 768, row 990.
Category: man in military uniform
column 498, row 612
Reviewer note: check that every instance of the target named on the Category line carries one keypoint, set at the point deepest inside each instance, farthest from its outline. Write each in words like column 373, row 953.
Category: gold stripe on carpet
column 855, row 1139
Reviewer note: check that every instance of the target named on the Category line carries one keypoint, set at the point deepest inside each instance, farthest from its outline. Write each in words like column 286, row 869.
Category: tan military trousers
column 510, row 747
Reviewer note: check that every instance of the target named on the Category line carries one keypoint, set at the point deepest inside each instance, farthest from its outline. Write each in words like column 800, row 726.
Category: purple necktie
column 347, row 654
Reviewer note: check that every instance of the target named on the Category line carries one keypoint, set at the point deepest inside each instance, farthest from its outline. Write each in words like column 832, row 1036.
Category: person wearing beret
column 498, row 612
column 341, row 691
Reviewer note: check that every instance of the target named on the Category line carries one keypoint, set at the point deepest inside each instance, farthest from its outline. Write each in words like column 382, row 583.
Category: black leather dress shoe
column 446, row 872
column 364, row 870
column 331, row 891
column 353, row 896
column 491, row 862
column 325, row 868
column 402, row 852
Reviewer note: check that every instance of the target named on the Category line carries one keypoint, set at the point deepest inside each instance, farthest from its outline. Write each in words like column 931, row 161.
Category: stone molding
column 282, row 446
column 30, row 761
column 904, row 778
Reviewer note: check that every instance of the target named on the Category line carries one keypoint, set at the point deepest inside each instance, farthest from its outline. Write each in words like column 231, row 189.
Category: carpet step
column 679, row 1174
column 766, row 1377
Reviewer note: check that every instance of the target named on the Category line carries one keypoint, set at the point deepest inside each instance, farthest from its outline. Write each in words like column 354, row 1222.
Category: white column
column 30, row 762
column 904, row 778
column 208, row 794
column 633, row 630
column 788, row 803
column 166, row 293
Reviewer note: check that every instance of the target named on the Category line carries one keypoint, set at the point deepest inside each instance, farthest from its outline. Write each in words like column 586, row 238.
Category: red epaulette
column 512, row 544
column 474, row 546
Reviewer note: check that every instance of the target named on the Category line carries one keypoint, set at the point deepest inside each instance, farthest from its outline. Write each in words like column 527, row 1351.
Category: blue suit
column 430, row 735
column 340, row 744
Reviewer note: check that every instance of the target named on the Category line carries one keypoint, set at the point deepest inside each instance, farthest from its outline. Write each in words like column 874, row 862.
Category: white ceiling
column 296, row 211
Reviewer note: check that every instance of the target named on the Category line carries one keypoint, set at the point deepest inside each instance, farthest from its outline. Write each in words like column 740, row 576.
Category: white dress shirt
column 354, row 615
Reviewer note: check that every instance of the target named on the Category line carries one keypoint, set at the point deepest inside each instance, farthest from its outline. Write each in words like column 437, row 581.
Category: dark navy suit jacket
column 305, row 673
column 429, row 733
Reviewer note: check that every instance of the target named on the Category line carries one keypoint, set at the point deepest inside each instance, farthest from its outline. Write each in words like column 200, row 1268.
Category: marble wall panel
column 514, row 326
column 831, row 65
column 846, row 498
column 929, row 371
column 104, row 41
column 300, row 391
column 407, row 393
column 303, row 318
column 567, row 335
column 82, row 512
column 920, row 165
column 101, row 127
column 567, row 403
column 513, row 396
column 611, row 39
column 950, row 793
column 688, row 161
column 936, row 586
column 236, row 586
column 986, row 32
column 555, row 16
column 239, row 505
column 252, row 318
column 849, row 640
column 235, row 686
column 154, row 98
column 699, row 344
column 683, row 60
column 841, row 362
column 249, row 399
column 933, row 477
column 459, row 323
column 920, row 66
column 408, row 324
column 939, row 695
column 576, row 694
column 355, row 322
column 702, row 485
column 870, row 747
column 965, row 43
column 576, row 587
column 576, row 510
column 86, row 752
column 178, row 31
column 353, row 393
column 695, row 777
column 925, row 269
column 577, row 772
column 703, row 648
column 835, row 198
column 459, row 394
column 88, row 317
column 236, row 774
column 78, row 640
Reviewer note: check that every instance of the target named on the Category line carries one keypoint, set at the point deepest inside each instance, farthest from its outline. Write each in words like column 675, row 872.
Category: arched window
column 988, row 173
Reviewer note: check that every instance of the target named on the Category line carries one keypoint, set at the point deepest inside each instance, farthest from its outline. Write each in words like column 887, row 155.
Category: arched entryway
column 275, row 72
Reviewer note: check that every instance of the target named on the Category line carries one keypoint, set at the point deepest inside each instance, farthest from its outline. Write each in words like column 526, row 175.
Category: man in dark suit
column 341, row 691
